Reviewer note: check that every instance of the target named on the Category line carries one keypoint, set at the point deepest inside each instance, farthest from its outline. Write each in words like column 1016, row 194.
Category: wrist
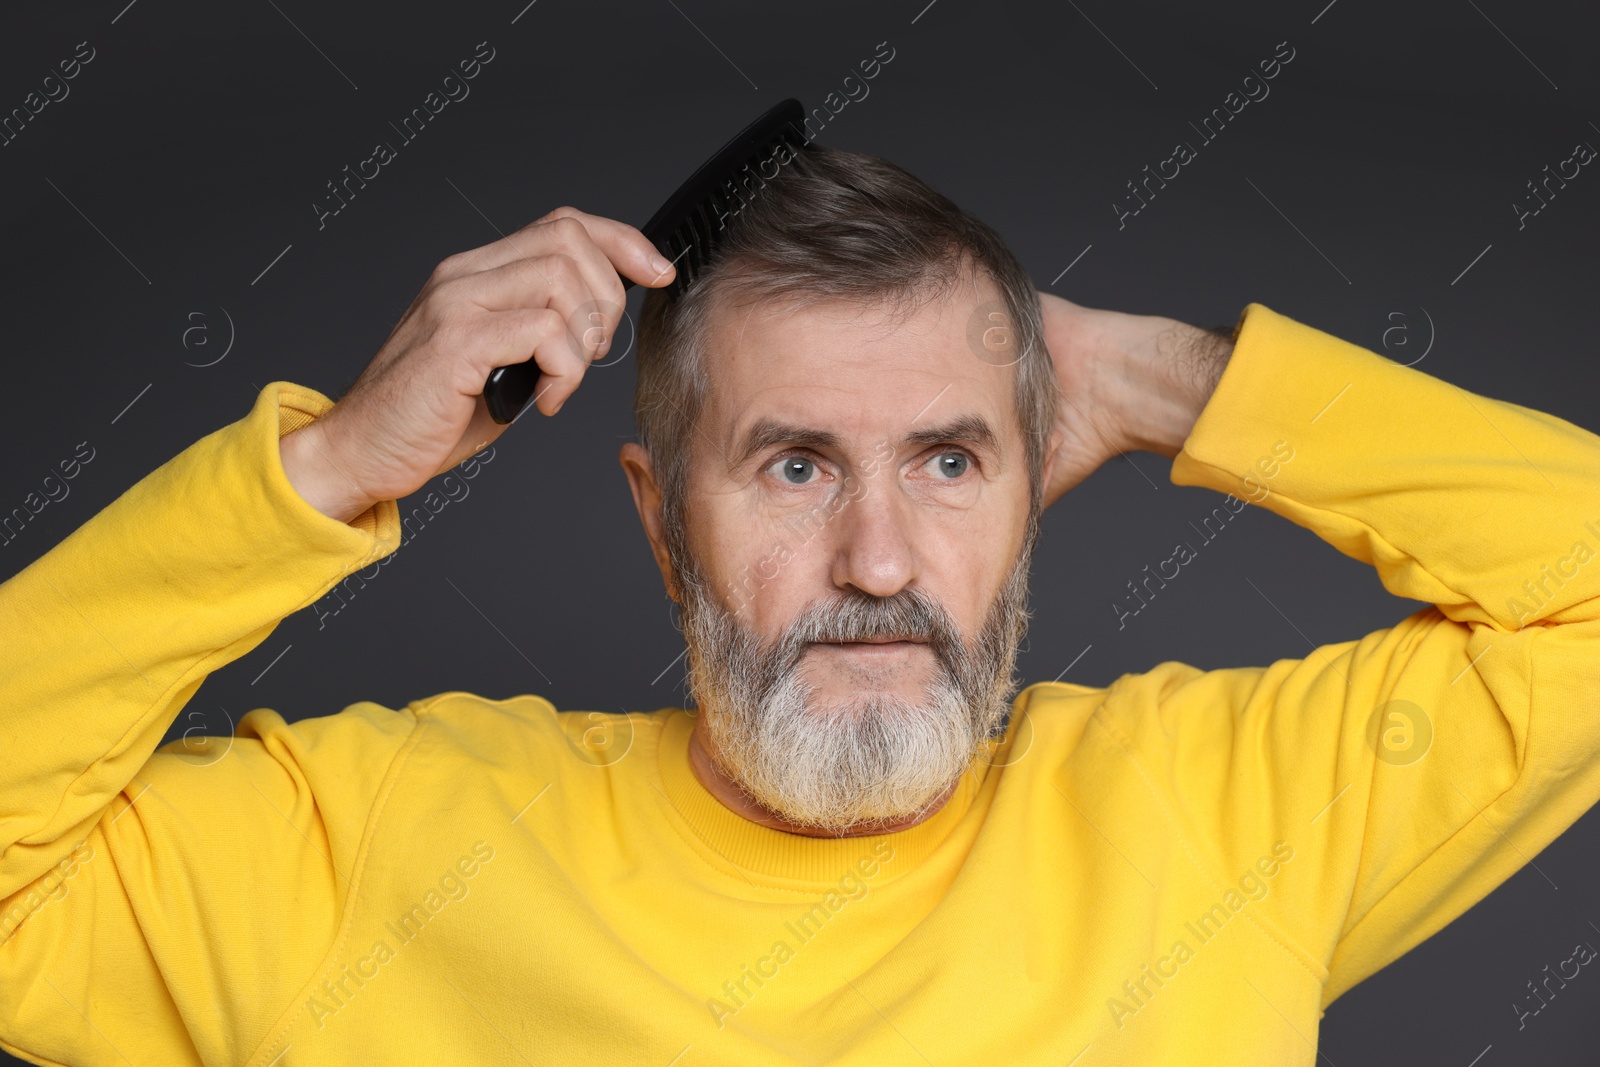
column 319, row 479
column 1164, row 373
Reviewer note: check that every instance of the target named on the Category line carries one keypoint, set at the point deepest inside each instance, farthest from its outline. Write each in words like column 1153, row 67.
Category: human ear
column 647, row 499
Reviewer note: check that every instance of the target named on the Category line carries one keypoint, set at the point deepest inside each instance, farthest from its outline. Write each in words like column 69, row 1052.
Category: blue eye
column 796, row 470
column 952, row 464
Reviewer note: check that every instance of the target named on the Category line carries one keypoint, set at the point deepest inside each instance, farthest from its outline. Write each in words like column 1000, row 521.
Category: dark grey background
column 190, row 149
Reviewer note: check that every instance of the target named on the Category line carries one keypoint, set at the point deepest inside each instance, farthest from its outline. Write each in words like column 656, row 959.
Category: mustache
column 910, row 614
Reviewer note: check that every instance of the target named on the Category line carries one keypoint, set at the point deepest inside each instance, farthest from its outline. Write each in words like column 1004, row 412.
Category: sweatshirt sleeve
column 160, row 906
column 1416, row 768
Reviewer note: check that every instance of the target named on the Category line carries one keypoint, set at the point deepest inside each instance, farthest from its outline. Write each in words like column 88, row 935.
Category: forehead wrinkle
column 892, row 316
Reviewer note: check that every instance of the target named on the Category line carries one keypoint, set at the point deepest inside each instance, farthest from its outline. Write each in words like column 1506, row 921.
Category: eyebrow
column 767, row 433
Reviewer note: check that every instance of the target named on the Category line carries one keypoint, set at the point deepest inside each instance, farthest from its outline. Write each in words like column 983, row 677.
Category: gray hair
column 832, row 224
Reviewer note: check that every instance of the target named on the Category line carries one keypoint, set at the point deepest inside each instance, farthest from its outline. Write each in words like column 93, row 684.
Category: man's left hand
column 1128, row 383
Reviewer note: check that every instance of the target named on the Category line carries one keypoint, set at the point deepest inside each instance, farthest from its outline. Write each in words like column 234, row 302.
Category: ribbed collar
column 797, row 858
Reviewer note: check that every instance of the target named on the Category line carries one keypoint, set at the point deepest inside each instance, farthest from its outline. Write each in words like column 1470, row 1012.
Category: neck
column 731, row 796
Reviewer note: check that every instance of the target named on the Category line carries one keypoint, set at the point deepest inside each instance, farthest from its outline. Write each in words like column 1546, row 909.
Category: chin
column 827, row 766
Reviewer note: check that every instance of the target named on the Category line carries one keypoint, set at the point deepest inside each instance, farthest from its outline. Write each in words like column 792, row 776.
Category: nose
column 874, row 549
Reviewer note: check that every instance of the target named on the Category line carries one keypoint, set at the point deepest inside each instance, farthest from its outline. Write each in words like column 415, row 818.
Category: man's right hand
column 550, row 291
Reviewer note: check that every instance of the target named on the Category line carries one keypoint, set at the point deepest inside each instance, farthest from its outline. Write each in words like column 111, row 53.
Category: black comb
column 688, row 227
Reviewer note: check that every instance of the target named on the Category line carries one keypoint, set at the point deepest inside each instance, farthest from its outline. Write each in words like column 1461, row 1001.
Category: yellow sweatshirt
column 1183, row 867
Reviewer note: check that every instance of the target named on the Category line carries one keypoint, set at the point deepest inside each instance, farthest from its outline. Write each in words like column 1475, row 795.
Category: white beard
column 875, row 759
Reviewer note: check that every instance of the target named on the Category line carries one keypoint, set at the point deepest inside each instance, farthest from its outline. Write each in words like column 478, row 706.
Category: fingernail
column 660, row 264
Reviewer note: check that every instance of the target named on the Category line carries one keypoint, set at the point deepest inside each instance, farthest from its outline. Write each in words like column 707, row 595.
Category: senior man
column 862, row 846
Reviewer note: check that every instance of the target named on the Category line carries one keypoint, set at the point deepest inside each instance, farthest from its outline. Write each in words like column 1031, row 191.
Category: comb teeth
column 694, row 242
column 701, row 226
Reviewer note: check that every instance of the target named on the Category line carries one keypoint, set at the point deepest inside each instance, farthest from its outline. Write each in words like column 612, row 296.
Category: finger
column 531, row 241
column 555, row 281
column 596, row 320
column 629, row 251
column 540, row 334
